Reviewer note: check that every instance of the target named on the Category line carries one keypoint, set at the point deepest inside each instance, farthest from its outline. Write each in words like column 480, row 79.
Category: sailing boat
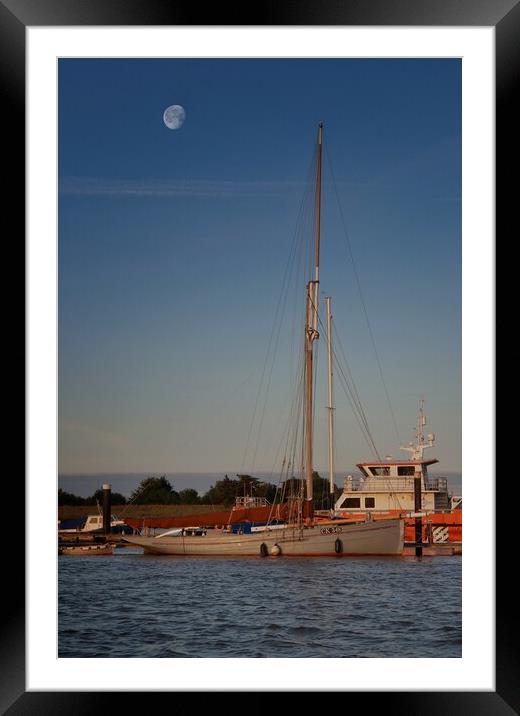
column 303, row 535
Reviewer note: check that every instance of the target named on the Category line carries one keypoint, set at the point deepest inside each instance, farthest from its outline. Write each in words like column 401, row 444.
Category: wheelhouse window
column 385, row 471
column 405, row 470
column 370, row 501
column 352, row 502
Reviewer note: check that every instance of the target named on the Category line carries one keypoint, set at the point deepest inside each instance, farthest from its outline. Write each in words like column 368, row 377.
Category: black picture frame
column 15, row 16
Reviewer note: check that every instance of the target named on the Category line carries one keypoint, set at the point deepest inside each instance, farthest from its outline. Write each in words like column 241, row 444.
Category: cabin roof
column 397, row 462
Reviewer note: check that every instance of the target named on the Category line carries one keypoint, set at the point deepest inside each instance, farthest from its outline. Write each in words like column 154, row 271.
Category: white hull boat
column 383, row 537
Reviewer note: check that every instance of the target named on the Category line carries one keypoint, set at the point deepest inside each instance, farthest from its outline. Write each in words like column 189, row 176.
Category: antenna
column 417, row 450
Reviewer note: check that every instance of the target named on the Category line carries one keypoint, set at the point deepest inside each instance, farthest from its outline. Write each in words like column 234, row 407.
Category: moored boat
column 91, row 550
column 303, row 535
column 384, row 537
column 93, row 524
column 386, row 489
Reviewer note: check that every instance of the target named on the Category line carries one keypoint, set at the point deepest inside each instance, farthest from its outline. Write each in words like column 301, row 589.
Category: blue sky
column 173, row 245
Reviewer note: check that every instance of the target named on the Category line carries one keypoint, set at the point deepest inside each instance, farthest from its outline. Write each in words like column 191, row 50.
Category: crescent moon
column 174, row 116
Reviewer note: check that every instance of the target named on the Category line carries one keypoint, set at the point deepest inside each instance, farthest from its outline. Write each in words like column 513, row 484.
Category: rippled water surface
column 134, row 605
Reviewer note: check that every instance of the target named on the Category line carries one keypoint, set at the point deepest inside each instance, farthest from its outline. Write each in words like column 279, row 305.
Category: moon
column 174, row 116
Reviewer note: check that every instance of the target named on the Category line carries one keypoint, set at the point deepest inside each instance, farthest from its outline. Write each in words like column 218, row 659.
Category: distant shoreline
column 85, row 484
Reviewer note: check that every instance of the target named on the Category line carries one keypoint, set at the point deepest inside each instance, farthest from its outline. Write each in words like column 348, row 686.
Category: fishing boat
column 304, row 535
column 387, row 489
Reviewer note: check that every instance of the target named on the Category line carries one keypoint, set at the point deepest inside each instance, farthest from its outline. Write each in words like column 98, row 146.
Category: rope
column 362, row 417
column 273, row 342
column 362, row 300
column 353, row 397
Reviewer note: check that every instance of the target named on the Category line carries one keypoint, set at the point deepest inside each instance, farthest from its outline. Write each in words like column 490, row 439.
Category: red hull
column 212, row 519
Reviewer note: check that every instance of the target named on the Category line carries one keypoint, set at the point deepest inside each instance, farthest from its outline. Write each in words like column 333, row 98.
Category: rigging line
column 358, row 411
column 266, row 360
column 297, row 373
column 360, row 414
column 298, row 424
column 360, row 420
column 283, row 291
column 351, row 377
column 268, row 386
column 138, row 493
column 262, row 414
column 281, row 313
column 295, row 408
column 316, row 354
column 358, row 282
column 273, row 329
column 299, row 319
column 286, row 435
column 296, row 411
column 298, row 314
column 271, row 371
column 280, row 489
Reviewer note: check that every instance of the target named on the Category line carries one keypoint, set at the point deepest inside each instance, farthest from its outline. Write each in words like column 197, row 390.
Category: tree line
column 159, row 491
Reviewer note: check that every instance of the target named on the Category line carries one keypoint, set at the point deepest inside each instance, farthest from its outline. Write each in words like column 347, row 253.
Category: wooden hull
column 96, row 550
column 369, row 538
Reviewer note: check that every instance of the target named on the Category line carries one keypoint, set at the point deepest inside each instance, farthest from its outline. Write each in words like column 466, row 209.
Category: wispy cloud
column 156, row 188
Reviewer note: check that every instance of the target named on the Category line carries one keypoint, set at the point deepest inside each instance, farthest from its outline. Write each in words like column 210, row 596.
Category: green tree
column 116, row 498
column 155, row 491
column 189, row 497
column 321, row 491
column 264, row 489
column 67, row 498
column 225, row 491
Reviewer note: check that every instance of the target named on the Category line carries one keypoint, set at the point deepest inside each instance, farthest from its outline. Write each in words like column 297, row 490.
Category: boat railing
column 394, row 484
column 437, row 484
column 353, row 483
column 247, row 501
column 379, row 484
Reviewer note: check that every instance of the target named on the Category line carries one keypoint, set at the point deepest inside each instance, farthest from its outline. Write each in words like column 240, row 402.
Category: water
column 134, row 605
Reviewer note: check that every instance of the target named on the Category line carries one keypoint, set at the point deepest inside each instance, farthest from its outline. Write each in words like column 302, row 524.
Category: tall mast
column 311, row 333
column 330, row 405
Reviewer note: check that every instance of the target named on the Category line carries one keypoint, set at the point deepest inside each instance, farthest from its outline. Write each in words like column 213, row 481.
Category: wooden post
column 107, row 510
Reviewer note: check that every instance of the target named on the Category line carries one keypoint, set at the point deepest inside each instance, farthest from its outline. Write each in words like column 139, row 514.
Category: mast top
column 421, row 444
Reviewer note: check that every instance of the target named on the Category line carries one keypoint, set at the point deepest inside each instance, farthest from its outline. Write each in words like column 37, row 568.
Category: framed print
column 50, row 49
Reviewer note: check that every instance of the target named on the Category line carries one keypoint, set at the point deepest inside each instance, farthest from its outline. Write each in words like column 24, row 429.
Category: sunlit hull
column 384, row 537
